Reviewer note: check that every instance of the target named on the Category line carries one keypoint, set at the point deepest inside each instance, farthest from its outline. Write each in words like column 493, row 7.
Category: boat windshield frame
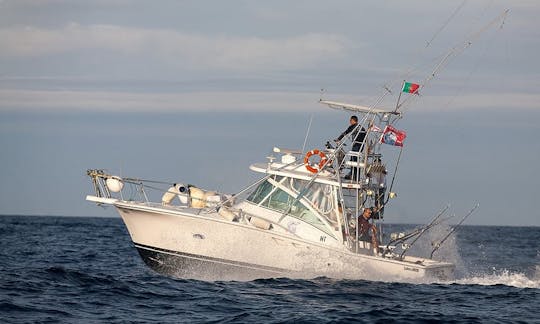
column 267, row 195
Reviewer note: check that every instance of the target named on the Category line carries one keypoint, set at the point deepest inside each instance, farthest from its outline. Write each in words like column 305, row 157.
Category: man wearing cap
column 364, row 226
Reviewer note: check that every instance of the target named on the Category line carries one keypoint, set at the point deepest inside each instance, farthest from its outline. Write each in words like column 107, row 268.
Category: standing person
column 358, row 136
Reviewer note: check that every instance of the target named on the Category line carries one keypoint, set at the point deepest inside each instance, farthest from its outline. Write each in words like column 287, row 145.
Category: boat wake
column 496, row 277
column 503, row 277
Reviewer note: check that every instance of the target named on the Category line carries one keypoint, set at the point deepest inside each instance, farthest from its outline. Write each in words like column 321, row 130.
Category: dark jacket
column 358, row 136
column 363, row 229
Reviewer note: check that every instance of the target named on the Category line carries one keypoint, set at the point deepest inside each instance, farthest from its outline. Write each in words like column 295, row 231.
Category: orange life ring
column 318, row 167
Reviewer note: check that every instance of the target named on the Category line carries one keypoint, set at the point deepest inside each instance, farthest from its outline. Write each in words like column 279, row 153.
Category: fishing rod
column 438, row 245
column 421, row 231
column 418, row 230
column 412, row 234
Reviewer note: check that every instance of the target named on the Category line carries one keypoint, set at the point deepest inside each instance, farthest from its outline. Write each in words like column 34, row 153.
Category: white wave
column 503, row 277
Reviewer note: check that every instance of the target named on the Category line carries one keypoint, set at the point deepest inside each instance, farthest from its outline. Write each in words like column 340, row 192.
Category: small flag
column 392, row 136
column 410, row 87
column 376, row 129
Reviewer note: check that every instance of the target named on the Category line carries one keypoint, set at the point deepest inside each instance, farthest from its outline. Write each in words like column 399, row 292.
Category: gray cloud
column 20, row 100
column 176, row 47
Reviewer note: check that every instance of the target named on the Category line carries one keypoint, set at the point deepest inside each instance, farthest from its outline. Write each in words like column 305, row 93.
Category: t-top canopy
column 356, row 108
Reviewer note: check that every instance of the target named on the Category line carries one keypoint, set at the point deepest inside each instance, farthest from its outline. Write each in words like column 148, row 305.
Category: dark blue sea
column 86, row 270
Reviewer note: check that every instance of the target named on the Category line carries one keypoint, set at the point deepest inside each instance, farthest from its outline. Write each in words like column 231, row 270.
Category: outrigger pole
column 399, row 97
column 456, row 50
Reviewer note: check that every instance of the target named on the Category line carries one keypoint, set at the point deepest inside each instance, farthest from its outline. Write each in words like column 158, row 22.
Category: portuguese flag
column 410, row 87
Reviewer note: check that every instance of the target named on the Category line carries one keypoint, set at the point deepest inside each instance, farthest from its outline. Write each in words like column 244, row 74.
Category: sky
column 196, row 91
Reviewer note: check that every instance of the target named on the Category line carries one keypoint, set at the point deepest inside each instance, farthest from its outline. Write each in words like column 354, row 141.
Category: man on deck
column 363, row 229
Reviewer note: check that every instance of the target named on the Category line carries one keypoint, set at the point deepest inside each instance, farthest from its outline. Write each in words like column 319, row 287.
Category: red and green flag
column 410, row 87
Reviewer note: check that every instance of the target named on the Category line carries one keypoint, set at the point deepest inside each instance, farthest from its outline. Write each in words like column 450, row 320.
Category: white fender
column 169, row 195
column 260, row 223
column 115, row 184
column 227, row 214
column 197, row 197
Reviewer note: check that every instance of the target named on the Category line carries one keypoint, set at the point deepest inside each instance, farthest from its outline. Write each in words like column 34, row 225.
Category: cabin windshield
column 320, row 196
column 272, row 197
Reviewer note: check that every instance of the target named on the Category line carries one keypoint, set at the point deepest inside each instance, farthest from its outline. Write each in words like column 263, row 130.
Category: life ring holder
column 318, row 167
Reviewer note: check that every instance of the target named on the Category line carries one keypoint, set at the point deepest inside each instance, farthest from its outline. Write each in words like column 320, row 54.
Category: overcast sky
column 198, row 90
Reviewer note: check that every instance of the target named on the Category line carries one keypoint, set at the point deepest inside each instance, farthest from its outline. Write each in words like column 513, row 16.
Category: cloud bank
column 16, row 100
column 196, row 51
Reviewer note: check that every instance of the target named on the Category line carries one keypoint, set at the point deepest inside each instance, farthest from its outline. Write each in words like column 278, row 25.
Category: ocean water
column 86, row 270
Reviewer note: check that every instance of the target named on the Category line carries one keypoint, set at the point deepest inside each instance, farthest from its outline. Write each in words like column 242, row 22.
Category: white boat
column 299, row 220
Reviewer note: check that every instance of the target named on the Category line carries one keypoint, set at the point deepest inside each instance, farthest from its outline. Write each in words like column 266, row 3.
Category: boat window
column 320, row 196
column 276, row 199
column 280, row 201
column 260, row 193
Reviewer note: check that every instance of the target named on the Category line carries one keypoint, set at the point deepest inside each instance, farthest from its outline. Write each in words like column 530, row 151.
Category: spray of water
column 448, row 252
column 502, row 277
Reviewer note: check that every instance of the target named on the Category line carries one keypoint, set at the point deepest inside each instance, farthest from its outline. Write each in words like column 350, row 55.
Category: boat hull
column 186, row 265
column 186, row 245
